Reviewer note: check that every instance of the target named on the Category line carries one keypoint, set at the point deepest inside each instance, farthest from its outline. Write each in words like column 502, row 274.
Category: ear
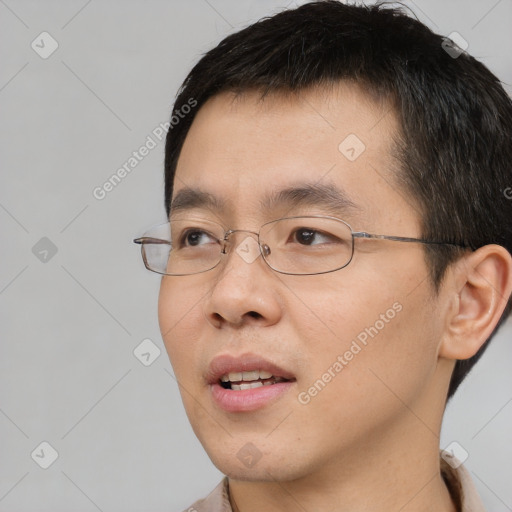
column 479, row 287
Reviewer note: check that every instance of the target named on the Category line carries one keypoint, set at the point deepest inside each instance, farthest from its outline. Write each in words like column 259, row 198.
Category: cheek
column 331, row 313
column 376, row 337
column 179, row 314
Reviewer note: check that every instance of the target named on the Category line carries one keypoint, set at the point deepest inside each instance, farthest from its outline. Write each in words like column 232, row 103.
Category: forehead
column 244, row 152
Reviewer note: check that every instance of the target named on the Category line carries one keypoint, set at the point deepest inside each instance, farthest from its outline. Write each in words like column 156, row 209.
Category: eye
column 308, row 236
column 195, row 238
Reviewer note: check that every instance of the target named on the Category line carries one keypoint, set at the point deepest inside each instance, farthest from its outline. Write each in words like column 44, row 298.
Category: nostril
column 254, row 314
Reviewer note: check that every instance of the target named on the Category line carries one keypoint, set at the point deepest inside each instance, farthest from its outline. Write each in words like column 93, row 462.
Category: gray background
column 71, row 322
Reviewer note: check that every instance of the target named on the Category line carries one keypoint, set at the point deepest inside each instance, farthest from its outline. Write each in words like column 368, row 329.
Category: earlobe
column 481, row 287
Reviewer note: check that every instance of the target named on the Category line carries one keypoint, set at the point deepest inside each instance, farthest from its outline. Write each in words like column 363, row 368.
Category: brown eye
column 195, row 238
column 305, row 236
column 308, row 236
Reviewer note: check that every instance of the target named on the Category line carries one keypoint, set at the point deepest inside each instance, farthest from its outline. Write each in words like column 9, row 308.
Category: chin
column 249, row 465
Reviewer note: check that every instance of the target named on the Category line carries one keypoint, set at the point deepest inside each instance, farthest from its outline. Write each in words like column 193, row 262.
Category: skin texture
column 370, row 439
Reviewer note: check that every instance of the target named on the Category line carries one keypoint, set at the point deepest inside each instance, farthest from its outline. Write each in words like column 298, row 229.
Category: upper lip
column 226, row 363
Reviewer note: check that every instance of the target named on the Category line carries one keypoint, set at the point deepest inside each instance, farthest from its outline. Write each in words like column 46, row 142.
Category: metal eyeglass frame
column 265, row 250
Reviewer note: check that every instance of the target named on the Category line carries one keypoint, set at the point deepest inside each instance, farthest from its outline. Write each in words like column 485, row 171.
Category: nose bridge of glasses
column 229, row 232
column 248, row 251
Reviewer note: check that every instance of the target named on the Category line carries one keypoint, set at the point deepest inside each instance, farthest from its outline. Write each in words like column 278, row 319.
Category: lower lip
column 248, row 399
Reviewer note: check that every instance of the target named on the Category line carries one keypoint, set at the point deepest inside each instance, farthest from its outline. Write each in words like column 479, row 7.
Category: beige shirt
column 459, row 482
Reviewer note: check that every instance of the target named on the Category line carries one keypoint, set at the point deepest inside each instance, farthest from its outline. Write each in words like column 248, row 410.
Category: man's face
column 358, row 346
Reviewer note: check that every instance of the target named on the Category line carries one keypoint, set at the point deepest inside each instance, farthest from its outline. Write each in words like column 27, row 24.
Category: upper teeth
column 247, row 376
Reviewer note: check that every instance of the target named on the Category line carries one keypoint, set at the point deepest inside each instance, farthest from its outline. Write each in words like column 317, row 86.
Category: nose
column 244, row 289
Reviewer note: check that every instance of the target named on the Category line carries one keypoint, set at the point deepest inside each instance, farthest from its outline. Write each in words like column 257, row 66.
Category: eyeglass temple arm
column 150, row 240
column 363, row 234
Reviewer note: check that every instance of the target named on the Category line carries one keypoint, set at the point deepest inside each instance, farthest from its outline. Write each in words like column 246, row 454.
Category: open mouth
column 240, row 381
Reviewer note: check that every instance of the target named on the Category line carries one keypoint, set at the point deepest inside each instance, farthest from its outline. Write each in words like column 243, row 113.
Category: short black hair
column 455, row 145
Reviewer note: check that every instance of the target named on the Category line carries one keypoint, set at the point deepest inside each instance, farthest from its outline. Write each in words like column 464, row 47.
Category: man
column 341, row 257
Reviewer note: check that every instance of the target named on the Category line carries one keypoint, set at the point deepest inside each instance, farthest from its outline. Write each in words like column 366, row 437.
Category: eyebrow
column 325, row 195
column 189, row 198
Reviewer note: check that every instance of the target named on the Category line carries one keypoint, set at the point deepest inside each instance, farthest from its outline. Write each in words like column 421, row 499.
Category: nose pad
column 226, row 241
column 246, row 248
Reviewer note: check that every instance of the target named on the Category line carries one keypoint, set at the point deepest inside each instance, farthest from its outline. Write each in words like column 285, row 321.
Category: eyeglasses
column 307, row 245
